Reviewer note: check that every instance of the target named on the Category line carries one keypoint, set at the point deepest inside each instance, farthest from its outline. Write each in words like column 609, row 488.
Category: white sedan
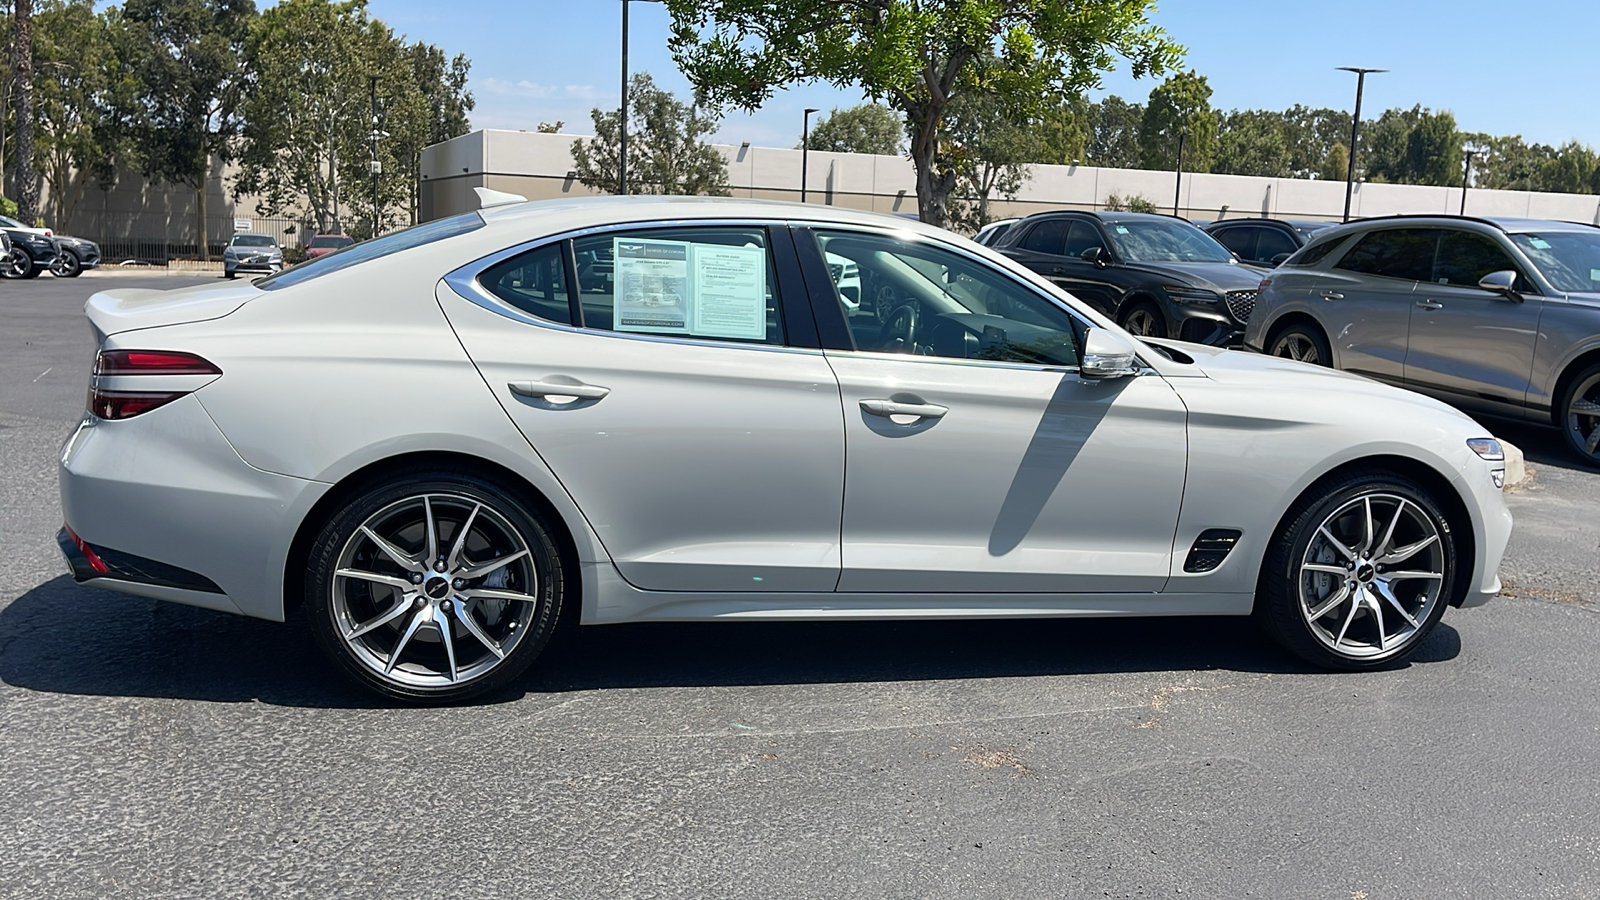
column 445, row 445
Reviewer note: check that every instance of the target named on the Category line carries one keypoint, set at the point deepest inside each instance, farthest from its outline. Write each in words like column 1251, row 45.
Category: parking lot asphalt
column 152, row 750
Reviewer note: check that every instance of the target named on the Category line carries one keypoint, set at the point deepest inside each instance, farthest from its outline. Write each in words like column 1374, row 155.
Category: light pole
column 1469, row 151
column 1177, row 190
column 805, row 150
column 622, row 120
column 1355, row 131
column 377, row 167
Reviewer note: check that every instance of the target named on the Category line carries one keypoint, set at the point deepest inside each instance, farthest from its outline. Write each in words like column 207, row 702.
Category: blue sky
column 1503, row 68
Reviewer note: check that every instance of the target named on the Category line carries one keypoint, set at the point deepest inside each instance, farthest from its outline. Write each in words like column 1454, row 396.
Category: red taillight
column 151, row 362
column 98, row 564
column 125, row 404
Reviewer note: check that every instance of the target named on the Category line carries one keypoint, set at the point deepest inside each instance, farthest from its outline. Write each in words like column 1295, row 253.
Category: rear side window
column 1405, row 253
column 1311, row 254
column 1046, row 237
column 355, row 254
column 534, row 282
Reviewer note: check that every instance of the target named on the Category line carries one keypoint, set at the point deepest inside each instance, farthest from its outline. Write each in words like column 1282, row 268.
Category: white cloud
column 526, row 88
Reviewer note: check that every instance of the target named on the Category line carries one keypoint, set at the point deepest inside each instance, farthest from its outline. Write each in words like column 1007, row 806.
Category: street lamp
column 1355, row 131
column 1469, row 151
column 1177, row 190
column 377, row 166
column 805, row 150
column 622, row 121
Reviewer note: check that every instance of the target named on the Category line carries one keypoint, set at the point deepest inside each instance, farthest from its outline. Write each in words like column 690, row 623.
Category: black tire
column 1303, row 342
column 1579, row 415
column 1143, row 319
column 21, row 265
column 345, row 611
column 66, row 265
column 228, row 275
column 1288, row 596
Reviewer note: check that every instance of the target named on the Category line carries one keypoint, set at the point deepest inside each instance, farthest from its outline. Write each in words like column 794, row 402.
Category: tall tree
column 78, row 141
column 867, row 128
column 915, row 55
column 26, row 177
column 1311, row 135
column 1336, row 165
column 1181, row 105
column 1114, row 143
column 666, row 150
column 1433, row 150
column 188, row 58
column 1253, row 142
column 1064, row 131
column 990, row 147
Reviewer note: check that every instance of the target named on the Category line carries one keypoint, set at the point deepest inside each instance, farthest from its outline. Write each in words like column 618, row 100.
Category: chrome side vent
column 1210, row 549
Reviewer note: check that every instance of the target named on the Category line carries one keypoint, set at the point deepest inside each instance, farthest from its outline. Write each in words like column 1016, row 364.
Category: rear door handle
column 887, row 408
column 1332, row 295
column 558, row 389
column 1429, row 304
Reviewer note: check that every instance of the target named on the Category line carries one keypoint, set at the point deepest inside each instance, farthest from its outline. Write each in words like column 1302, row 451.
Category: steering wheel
column 899, row 332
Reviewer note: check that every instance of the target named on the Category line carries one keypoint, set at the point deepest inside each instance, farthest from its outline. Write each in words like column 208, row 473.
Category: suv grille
column 1241, row 304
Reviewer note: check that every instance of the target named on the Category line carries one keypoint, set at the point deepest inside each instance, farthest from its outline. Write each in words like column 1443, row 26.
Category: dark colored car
column 76, row 254
column 1158, row 276
column 323, row 244
column 31, row 253
column 1264, row 242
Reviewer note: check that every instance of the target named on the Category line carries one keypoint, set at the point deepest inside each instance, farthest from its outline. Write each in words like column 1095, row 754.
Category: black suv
column 1158, row 276
column 1264, row 242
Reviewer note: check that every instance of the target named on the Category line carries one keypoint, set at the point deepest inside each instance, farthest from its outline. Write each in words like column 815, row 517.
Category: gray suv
column 1496, row 316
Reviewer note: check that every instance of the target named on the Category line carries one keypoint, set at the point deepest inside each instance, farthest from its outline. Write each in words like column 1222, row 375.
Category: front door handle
column 558, row 389
column 1059, row 270
column 887, row 408
column 1429, row 304
column 1332, row 295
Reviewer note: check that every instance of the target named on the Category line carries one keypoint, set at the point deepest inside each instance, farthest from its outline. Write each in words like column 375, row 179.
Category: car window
column 932, row 302
column 1393, row 253
column 1046, row 237
column 1569, row 259
column 1081, row 236
column 688, row 282
column 1464, row 258
column 1165, row 240
column 1271, row 242
column 1241, row 240
column 534, row 282
column 253, row 240
column 1313, row 253
column 994, row 233
column 377, row 248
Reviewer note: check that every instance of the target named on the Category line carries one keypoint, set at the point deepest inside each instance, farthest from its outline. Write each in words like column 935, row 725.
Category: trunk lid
column 131, row 309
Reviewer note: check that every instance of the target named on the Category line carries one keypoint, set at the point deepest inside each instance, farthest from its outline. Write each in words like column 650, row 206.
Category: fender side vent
column 1210, row 549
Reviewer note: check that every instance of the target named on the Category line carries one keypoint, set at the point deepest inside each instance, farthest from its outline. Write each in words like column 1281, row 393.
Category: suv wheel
column 1580, row 415
column 1144, row 320
column 20, row 265
column 66, row 265
column 1302, row 343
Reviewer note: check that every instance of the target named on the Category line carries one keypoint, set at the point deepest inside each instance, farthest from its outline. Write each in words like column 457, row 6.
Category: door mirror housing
column 1106, row 354
column 1280, row 259
column 1503, row 282
column 1096, row 255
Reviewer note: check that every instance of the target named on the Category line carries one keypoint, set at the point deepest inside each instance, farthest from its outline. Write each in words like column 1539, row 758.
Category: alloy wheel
column 1142, row 322
column 434, row 591
column 65, row 265
column 1583, row 417
column 1372, row 576
column 1298, row 347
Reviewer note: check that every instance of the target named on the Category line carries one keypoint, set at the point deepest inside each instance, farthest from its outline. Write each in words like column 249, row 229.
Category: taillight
column 95, row 562
column 125, row 404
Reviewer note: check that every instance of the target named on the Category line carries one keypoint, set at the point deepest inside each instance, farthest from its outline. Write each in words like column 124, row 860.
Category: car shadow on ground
column 64, row 638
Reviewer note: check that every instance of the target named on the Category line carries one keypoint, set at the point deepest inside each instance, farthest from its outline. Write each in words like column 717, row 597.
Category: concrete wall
column 539, row 166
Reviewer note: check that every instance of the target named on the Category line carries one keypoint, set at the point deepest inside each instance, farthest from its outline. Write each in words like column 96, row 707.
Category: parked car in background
column 1496, row 316
column 508, row 455
column 1264, row 242
column 323, row 244
column 75, row 255
column 247, row 252
column 1158, row 276
column 11, row 224
column 32, row 252
column 991, row 233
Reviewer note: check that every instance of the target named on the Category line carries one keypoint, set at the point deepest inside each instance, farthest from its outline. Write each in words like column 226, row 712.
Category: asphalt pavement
column 152, row 750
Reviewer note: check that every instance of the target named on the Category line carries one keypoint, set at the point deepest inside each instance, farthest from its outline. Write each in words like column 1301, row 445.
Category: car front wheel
column 1302, row 343
column 1361, row 574
column 20, row 265
column 435, row 587
column 1580, row 415
column 66, row 265
column 1144, row 320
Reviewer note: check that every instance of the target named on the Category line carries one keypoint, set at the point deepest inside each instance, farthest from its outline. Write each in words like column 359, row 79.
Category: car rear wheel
column 435, row 587
column 1144, row 320
column 1361, row 575
column 20, row 265
column 1580, row 415
column 1302, row 343
column 66, row 265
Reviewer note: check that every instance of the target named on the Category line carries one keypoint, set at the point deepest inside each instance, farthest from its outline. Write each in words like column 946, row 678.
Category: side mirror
column 1280, row 259
column 1503, row 282
column 1096, row 255
column 1106, row 354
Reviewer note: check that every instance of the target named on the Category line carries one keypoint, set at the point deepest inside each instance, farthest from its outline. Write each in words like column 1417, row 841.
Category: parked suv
column 1264, row 242
column 1158, row 276
column 32, row 251
column 251, row 253
column 1496, row 316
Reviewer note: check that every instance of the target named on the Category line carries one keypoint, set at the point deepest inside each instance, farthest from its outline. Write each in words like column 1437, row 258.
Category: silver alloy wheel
column 1298, row 347
column 1372, row 575
column 434, row 591
column 17, row 264
column 1584, row 409
column 1141, row 322
column 65, row 265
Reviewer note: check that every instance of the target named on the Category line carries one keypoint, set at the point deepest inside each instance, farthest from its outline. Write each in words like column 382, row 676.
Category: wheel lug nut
column 416, row 577
column 421, row 602
column 439, row 566
column 446, row 606
column 459, row 583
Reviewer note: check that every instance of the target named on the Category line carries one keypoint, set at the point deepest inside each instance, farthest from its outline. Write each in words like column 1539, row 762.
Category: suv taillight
column 125, row 404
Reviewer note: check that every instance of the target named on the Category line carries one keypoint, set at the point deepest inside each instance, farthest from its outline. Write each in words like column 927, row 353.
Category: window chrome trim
column 464, row 282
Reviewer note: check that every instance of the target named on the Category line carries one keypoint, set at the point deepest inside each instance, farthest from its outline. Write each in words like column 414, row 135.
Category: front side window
column 1082, row 236
column 712, row 282
column 1241, row 240
column 1464, row 258
column 1270, row 243
column 1163, row 240
column 932, row 302
column 1570, row 260
column 1405, row 253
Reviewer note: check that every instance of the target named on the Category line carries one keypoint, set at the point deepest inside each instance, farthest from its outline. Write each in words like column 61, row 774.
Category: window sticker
column 680, row 287
column 1594, row 274
column 1539, row 243
column 1122, row 229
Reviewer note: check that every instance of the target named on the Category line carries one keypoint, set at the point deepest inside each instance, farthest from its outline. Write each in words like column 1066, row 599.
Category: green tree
column 26, row 177
column 990, row 147
column 868, row 128
column 1433, row 150
column 1065, row 131
column 1572, row 170
column 1511, row 164
column 1115, row 140
column 78, row 140
column 1137, row 203
column 187, row 56
column 666, row 153
column 550, row 127
column 1253, row 142
column 915, row 55
column 1179, row 105
column 1311, row 135
column 1336, row 165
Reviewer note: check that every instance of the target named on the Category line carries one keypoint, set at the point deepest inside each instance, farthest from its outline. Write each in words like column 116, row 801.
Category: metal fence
column 159, row 238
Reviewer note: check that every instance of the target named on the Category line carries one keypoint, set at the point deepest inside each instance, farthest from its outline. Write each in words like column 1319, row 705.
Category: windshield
column 253, row 240
column 1156, row 240
column 1569, row 259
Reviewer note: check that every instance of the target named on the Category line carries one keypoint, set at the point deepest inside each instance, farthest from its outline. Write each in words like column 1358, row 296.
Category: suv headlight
column 1192, row 296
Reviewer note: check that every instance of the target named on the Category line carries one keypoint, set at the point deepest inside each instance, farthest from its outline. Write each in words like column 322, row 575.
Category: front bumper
column 251, row 265
column 1203, row 325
